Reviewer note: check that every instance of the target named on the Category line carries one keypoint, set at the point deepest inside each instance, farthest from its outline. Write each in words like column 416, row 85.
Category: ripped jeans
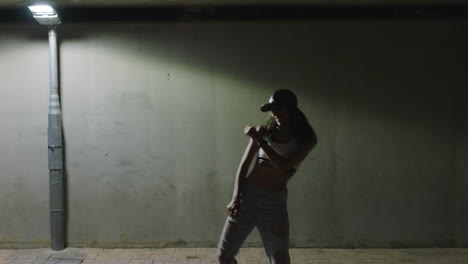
column 266, row 210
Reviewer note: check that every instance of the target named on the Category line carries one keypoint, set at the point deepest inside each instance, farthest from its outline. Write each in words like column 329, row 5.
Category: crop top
column 283, row 149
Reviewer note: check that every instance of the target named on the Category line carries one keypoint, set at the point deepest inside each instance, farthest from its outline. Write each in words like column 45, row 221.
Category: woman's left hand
column 250, row 130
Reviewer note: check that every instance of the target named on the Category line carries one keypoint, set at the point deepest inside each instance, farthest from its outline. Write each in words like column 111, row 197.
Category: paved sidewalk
column 246, row 256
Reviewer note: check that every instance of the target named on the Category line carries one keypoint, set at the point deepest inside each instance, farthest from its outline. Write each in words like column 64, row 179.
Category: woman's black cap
column 282, row 97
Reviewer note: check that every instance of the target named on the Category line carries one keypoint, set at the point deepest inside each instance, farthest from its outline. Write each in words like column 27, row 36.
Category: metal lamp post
column 46, row 15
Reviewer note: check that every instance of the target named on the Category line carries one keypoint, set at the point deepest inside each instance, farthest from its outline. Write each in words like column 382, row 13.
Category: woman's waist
column 263, row 162
column 251, row 189
column 267, row 179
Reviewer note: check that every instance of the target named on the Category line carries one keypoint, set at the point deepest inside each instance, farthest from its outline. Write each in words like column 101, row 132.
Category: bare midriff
column 268, row 178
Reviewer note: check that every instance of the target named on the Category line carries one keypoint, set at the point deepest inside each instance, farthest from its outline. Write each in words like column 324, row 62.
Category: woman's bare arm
column 244, row 165
column 276, row 159
column 249, row 153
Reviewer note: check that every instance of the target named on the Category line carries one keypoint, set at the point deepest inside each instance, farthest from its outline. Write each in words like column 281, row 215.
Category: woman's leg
column 273, row 225
column 275, row 236
column 234, row 233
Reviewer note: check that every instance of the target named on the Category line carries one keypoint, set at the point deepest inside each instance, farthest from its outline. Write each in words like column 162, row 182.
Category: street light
column 46, row 15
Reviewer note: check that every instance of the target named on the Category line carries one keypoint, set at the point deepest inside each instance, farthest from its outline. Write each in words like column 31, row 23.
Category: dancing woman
column 260, row 200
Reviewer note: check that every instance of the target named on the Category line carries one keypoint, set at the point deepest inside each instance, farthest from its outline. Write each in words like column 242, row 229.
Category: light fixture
column 45, row 14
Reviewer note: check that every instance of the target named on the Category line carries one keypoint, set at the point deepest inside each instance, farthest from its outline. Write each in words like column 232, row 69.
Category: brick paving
column 246, row 256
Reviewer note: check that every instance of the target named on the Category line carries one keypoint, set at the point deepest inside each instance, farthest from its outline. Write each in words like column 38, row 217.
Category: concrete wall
column 153, row 117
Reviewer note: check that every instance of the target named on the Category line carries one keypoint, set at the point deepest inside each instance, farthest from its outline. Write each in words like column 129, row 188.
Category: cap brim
column 268, row 107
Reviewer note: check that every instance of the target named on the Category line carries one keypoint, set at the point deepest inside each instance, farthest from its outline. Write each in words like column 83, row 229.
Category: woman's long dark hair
column 300, row 127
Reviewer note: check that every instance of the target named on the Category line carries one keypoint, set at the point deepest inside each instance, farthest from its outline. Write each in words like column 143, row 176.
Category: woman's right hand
column 233, row 207
column 255, row 132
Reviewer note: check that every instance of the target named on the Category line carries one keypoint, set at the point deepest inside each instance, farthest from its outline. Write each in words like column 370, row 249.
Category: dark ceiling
column 76, row 11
